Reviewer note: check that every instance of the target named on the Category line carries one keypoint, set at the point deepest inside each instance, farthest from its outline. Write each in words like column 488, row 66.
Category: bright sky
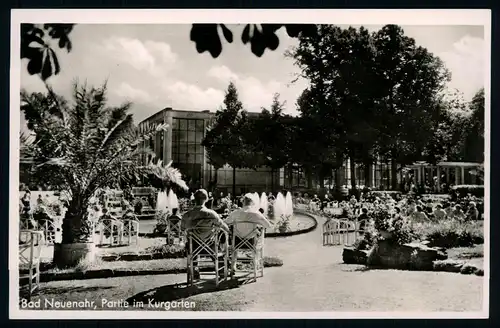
column 157, row 66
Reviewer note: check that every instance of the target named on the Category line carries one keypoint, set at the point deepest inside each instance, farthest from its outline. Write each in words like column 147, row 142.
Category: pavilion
column 457, row 173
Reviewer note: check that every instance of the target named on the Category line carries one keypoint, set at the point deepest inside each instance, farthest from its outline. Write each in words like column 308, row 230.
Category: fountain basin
column 301, row 222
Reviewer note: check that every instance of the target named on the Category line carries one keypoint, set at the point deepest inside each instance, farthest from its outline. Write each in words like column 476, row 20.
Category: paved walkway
column 312, row 278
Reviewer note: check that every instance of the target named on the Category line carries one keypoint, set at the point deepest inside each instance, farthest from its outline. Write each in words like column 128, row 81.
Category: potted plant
column 381, row 218
column 86, row 146
column 284, row 223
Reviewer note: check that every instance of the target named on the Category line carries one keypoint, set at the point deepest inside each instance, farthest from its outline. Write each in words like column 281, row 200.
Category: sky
column 157, row 66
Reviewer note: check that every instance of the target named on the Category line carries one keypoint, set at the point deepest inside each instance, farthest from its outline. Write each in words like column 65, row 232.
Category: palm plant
column 85, row 146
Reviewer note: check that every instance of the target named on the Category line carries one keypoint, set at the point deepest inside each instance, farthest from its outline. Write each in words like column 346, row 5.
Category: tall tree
column 410, row 80
column 338, row 63
column 475, row 133
column 225, row 138
column 272, row 131
column 83, row 147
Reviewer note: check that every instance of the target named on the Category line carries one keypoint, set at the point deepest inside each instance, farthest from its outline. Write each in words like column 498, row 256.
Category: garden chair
column 52, row 230
column 247, row 251
column 30, row 248
column 330, row 227
column 206, row 245
column 174, row 229
column 110, row 229
column 130, row 231
column 346, row 233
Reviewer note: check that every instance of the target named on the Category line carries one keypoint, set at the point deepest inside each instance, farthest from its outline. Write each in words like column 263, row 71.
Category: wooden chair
column 206, row 245
column 30, row 248
column 130, row 231
column 247, row 251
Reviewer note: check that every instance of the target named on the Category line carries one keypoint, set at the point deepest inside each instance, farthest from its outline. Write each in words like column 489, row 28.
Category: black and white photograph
column 249, row 164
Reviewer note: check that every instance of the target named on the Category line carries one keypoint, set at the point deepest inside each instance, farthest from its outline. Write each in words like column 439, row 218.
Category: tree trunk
column 77, row 235
column 352, row 168
column 234, row 182
column 309, row 178
column 272, row 180
column 394, row 174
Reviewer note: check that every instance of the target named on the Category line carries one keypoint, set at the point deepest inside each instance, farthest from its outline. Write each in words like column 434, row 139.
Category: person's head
column 261, row 210
column 175, row 211
column 472, row 204
column 458, row 207
column 248, row 200
column 439, row 206
column 200, row 197
column 364, row 210
column 398, row 210
column 419, row 208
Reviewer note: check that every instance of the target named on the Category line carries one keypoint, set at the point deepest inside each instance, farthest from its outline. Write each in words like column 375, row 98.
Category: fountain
column 256, row 200
column 162, row 202
column 288, row 204
column 264, row 204
column 279, row 206
column 172, row 199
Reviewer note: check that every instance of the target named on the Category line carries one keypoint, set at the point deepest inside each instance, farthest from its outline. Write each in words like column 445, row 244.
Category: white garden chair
column 204, row 246
column 174, row 229
column 329, row 229
column 248, row 250
column 30, row 248
column 110, row 231
column 130, row 231
column 52, row 230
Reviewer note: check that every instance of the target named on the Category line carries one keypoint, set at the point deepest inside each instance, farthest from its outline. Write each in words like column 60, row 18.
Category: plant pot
column 69, row 255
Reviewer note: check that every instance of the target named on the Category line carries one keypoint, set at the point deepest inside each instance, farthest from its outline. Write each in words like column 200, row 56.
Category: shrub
column 451, row 233
column 464, row 190
column 272, row 261
column 167, row 251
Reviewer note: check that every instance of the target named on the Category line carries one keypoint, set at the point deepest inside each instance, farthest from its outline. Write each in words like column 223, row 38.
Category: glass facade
column 187, row 152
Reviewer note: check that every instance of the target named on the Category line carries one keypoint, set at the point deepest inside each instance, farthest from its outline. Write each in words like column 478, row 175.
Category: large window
column 187, row 152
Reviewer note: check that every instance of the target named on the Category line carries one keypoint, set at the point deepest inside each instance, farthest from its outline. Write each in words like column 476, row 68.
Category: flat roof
column 458, row 164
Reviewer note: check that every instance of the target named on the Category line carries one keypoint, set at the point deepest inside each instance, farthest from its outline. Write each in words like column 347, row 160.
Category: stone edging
column 296, row 232
column 360, row 257
column 110, row 273
column 269, row 234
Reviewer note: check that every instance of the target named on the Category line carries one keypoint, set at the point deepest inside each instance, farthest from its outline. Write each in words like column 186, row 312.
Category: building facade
column 181, row 144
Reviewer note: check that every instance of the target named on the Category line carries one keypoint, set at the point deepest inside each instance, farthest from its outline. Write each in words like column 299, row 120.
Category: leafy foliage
column 226, row 139
column 35, row 47
column 259, row 36
column 85, row 146
column 370, row 95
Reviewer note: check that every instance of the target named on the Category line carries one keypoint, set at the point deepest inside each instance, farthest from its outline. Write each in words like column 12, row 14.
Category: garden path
column 312, row 278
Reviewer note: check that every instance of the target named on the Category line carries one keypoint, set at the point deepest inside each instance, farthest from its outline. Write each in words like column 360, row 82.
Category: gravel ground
column 312, row 278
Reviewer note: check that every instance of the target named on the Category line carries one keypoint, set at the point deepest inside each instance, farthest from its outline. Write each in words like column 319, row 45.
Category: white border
column 231, row 16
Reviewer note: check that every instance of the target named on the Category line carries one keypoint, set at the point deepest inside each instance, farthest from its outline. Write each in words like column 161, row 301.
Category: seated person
column 472, row 212
column 363, row 218
column 200, row 216
column 419, row 215
column 457, row 213
column 439, row 213
column 175, row 218
column 246, row 219
column 129, row 215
